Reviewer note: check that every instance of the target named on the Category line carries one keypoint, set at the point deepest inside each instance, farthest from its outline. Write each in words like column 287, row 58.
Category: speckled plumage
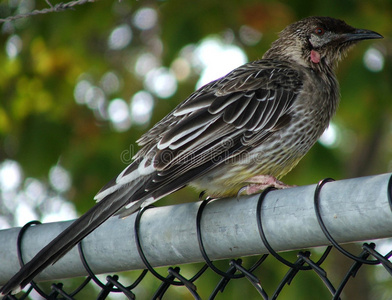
column 258, row 120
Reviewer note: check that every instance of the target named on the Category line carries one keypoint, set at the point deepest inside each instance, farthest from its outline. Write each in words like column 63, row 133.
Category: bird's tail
column 67, row 239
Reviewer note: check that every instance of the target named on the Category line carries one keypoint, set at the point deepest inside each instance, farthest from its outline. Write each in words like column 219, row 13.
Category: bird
column 243, row 131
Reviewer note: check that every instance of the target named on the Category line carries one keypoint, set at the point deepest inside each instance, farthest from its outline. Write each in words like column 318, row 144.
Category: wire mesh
column 236, row 270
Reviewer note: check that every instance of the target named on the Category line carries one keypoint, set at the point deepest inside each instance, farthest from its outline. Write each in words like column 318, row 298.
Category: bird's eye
column 319, row 31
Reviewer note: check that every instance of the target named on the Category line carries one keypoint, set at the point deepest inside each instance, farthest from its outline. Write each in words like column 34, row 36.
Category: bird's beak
column 361, row 34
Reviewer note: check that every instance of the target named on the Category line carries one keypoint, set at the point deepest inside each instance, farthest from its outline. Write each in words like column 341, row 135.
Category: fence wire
column 235, row 269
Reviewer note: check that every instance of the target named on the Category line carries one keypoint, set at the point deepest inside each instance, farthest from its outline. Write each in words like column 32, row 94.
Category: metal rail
column 352, row 210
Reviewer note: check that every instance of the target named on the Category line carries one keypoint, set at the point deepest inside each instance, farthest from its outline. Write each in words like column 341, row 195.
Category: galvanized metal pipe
column 353, row 210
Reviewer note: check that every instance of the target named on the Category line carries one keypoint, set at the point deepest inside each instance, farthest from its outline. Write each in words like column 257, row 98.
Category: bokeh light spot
column 94, row 97
column 118, row 112
column 35, row 190
column 120, row 37
column 181, row 68
column 58, row 209
column 374, row 60
column 142, row 104
column 10, row 175
column 145, row 63
column 331, row 136
column 13, row 46
column 110, row 83
column 145, row 18
column 24, row 212
column 161, row 82
column 250, row 36
column 217, row 59
column 80, row 91
column 59, row 178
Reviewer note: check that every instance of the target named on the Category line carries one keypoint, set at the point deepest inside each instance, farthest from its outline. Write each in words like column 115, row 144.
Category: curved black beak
column 362, row 34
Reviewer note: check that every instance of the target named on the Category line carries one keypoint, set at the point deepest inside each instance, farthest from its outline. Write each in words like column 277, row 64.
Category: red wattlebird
column 248, row 128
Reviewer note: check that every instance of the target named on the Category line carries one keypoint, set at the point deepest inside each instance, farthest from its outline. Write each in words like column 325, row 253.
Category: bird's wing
column 261, row 77
column 216, row 123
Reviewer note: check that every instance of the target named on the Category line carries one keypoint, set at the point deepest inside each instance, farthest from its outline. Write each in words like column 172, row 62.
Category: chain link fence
column 236, row 269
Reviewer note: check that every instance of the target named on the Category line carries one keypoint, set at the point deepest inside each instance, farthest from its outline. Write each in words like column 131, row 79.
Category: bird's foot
column 261, row 182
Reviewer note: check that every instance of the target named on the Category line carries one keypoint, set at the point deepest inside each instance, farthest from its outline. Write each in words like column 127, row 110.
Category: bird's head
column 318, row 42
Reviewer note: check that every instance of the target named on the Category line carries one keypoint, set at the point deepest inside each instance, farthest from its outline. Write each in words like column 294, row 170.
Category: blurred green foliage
column 42, row 125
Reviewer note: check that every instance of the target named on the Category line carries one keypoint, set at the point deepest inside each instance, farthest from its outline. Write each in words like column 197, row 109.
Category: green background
column 41, row 125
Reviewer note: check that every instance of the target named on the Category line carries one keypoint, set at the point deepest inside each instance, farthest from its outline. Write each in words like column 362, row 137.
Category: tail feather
column 67, row 239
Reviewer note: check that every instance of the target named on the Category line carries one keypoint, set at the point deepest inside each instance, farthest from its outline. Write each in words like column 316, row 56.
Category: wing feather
column 194, row 124
column 247, row 114
column 234, row 110
column 221, row 102
column 199, row 102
